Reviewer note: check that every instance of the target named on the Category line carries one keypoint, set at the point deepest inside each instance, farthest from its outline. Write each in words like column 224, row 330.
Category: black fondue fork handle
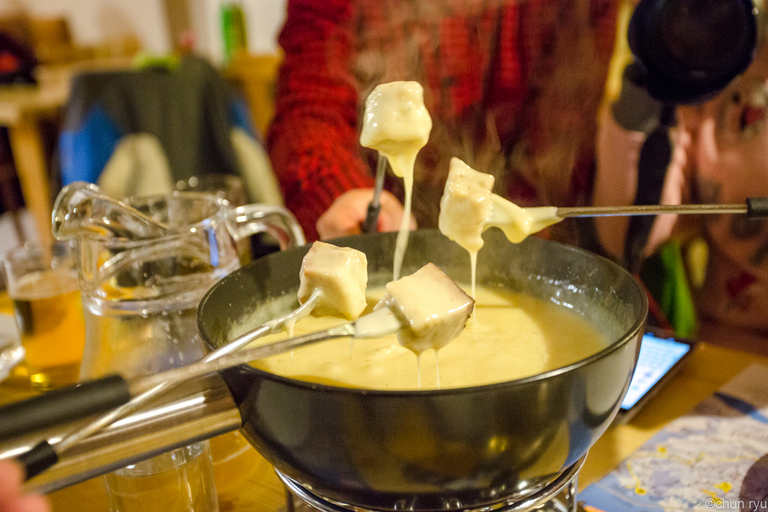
column 63, row 405
column 372, row 215
column 113, row 392
column 56, row 407
column 757, row 207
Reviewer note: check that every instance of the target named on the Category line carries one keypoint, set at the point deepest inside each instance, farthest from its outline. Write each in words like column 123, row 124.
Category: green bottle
column 232, row 30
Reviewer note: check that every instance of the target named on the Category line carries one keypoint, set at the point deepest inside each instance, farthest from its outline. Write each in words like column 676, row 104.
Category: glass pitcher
column 143, row 265
column 140, row 294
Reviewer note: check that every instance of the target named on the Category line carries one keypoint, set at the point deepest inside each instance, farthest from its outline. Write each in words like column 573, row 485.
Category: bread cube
column 341, row 275
column 395, row 115
column 433, row 308
column 466, row 205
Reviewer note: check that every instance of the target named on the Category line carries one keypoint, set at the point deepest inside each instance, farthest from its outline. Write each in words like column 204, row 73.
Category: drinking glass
column 180, row 480
column 42, row 282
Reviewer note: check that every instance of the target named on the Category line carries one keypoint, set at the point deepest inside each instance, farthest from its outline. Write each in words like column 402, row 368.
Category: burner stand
column 558, row 496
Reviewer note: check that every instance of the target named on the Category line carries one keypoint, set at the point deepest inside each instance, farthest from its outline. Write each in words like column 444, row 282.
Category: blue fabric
column 240, row 116
column 85, row 151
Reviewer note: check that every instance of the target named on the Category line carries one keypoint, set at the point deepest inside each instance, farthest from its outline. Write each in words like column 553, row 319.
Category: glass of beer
column 43, row 285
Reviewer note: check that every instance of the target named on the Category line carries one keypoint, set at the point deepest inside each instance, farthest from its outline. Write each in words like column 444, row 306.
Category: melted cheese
column 516, row 222
column 465, row 209
column 396, row 124
column 511, row 336
column 433, row 309
column 468, row 207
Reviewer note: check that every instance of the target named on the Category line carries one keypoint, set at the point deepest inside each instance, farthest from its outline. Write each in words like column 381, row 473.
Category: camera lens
column 704, row 34
column 691, row 49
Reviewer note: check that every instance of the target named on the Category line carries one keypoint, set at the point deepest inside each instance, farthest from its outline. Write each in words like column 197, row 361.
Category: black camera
column 690, row 50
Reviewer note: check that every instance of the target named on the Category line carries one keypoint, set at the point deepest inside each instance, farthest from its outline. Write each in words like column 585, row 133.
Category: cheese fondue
column 432, row 307
column 465, row 208
column 511, row 336
column 468, row 207
column 516, row 222
column 396, row 124
column 338, row 275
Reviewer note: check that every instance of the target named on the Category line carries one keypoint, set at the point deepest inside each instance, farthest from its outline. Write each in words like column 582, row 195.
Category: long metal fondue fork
column 136, row 391
column 754, row 207
column 372, row 216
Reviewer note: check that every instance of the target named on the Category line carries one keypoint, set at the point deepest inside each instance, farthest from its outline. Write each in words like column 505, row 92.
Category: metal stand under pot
column 557, row 496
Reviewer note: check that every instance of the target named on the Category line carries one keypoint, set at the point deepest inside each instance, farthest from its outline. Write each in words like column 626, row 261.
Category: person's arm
column 313, row 140
column 623, row 130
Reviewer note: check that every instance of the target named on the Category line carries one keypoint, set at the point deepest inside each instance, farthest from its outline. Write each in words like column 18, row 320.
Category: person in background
column 12, row 499
column 719, row 154
column 513, row 88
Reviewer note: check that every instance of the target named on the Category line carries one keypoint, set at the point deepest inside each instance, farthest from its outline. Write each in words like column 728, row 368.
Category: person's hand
column 12, row 499
column 347, row 214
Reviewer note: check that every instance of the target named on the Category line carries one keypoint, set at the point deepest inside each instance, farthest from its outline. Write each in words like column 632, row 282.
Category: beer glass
column 43, row 285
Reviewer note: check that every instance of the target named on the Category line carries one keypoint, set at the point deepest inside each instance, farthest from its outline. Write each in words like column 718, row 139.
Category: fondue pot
column 434, row 449
column 477, row 445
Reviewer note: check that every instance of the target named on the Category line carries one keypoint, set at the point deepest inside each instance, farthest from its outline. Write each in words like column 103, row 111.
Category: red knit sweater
column 500, row 78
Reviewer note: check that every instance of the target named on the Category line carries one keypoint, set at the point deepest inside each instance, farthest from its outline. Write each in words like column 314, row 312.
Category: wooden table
column 252, row 485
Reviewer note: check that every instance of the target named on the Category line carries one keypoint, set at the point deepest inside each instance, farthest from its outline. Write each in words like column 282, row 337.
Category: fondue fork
column 754, row 207
column 110, row 392
column 23, row 416
column 372, row 217
column 382, row 322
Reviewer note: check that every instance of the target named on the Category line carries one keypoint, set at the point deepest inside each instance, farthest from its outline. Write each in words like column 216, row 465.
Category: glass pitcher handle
column 251, row 219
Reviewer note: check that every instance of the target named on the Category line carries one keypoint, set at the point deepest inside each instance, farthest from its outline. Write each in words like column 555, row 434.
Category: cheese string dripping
column 401, row 244
column 397, row 124
column 433, row 307
column 468, row 207
column 418, row 371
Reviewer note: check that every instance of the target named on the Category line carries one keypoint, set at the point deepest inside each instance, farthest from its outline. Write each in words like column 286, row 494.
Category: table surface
column 255, row 487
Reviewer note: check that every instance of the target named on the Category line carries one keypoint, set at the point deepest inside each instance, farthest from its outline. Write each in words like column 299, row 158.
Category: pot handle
column 278, row 221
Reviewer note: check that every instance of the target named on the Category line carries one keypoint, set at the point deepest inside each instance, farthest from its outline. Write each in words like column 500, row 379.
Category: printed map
column 713, row 459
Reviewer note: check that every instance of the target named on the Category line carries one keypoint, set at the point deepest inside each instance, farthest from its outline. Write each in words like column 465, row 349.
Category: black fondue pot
column 432, row 449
